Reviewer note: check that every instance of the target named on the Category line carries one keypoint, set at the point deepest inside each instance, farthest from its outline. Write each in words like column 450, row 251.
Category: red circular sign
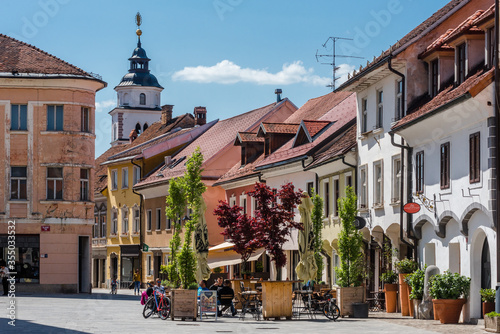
column 411, row 207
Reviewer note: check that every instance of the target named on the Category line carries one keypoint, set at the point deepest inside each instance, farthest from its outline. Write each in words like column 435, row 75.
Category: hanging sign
column 359, row 222
column 411, row 207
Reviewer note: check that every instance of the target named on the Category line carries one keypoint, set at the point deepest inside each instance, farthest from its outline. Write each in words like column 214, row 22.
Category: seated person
column 158, row 287
column 202, row 287
column 218, row 284
column 226, row 291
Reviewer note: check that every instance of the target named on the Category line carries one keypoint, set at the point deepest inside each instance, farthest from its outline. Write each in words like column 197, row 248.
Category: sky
column 226, row 55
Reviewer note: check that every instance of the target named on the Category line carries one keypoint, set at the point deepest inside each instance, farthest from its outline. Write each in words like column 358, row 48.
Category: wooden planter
column 488, row 307
column 492, row 324
column 449, row 309
column 391, row 297
column 348, row 296
column 184, row 304
column 404, row 295
column 277, row 299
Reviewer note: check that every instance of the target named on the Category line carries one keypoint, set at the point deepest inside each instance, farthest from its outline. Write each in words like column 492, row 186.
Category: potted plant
column 449, row 292
column 492, row 322
column 404, row 268
column 416, row 283
column 390, row 280
column 350, row 273
column 488, row 299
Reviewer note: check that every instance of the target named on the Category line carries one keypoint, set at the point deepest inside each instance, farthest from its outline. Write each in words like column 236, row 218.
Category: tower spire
column 138, row 21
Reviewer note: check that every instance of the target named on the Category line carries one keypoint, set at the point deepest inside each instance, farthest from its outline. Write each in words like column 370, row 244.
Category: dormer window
column 434, row 74
column 142, row 99
column 267, row 146
column 490, row 47
column 243, row 156
column 460, row 63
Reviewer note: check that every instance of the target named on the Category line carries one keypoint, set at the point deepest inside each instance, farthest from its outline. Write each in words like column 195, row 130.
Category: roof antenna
column 334, row 56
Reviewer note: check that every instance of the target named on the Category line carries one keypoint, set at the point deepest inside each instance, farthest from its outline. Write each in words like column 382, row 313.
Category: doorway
column 84, row 264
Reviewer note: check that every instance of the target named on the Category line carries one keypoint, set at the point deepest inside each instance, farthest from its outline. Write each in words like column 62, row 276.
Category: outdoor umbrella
column 201, row 243
column 306, row 269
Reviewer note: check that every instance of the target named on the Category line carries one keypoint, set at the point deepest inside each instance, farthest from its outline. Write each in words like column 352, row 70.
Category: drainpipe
column 403, row 81
column 141, row 205
column 497, row 147
column 408, row 193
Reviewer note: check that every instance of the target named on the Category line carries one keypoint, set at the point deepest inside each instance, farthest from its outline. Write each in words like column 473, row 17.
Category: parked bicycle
column 326, row 304
column 158, row 303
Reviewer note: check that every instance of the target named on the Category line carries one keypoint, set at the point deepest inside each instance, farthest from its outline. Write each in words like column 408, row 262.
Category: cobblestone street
column 121, row 313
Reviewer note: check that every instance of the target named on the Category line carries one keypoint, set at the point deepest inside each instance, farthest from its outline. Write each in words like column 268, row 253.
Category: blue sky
column 227, row 55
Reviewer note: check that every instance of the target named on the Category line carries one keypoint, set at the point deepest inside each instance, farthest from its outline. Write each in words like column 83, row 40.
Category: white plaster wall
column 153, row 98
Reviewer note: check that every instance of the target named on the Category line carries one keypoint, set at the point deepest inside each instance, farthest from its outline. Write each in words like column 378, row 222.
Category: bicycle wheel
column 331, row 311
column 165, row 309
column 148, row 308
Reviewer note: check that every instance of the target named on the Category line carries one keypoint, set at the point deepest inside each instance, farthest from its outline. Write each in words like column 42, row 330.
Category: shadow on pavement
column 104, row 296
column 23, row 326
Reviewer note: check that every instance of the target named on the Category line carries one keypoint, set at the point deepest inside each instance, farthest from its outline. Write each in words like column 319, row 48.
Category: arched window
column 144, row 127
column 142, row 99
column 138, row 128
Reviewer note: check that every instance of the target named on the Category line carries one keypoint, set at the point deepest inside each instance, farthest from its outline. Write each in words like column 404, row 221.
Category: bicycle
column 157, row 303
column 326, row 304
column 331, row 310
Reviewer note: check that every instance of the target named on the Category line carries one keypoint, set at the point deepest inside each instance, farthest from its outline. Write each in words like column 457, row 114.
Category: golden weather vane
column 138, row 21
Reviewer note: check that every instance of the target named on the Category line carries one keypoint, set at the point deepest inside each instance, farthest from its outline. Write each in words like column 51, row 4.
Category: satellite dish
column 359, row 222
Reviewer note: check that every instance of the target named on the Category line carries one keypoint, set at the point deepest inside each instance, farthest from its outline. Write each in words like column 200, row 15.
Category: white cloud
column 105, row 105
column 227, row 72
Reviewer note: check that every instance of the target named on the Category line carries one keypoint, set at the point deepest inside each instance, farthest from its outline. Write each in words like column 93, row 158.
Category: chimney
column 166, row 113
column 278, row 92
column 200, row 115
column 168, row 160
column 132, row 136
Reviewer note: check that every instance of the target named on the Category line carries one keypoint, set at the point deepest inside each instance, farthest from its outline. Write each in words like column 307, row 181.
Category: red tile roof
column 339, row 146
column 214, row 142
column 314, row 127
column 20, row 57
column 317, row 107
column 488, row 14
column 245, row 137
column 101, row 179
column 473, row 85
column 466, row 27
column 438, row 45
column 279, row 128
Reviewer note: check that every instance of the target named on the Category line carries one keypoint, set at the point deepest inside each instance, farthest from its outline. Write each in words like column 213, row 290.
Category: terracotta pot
column 488, row 307
column 410, row 306
column 391, row 297
column 449, row 309
column 404, row 295
column 434, row 311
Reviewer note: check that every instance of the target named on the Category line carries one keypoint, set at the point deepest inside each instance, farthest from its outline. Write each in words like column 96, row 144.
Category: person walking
column 137, row 282
column 4, row 275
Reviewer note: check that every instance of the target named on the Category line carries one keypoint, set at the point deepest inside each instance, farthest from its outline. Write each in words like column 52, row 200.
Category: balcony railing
column 98, row 242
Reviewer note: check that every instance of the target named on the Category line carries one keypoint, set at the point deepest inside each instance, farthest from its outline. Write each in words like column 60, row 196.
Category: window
column 145, row 127
column 363, row 178
column 348, row 180
column 377, row 183
column 168, row 224
column 327, row 199
column 115, row 132
column 114, row 179
column 399, row 100
column 460, row 60
column 380, row 109
column 267, row 146
column 490, row 45
column 125, row 220
column 138, row 128
column 142, row 99
column 419, row 170
column 114, row 223
column 396, row 179
column 84, row 184
column 336, row 189
column 54, row 118
column 25, row 257
column 85, row 119
column 103, row 224
column 445, row 165
column 243, row 156
column 243, row 203
column 54, row 183
column 232, row 201
column 158, row 219
column 310, row 187
column 18, row 179
column 434, row 73
column 149, row 218
column 364, row 115
column 19, row 117
column 137, row 174
column 149, row 267
column 137, row 220
column 474, row 158
column 125, row 178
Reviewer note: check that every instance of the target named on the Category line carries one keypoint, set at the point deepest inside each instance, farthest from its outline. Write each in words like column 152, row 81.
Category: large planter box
column 492, row 324
column 276, row 299
column 348, row 296
column 184, row 304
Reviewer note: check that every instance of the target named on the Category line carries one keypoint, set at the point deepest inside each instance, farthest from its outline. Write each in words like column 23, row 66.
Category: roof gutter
column 362, row 74
column 403, row 79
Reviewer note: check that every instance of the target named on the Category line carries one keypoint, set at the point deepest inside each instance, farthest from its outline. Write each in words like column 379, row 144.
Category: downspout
column 496, row 206
column 141, row 205
column 408, row 193
column 403, row 81
column 316, row 186
column 355, row 173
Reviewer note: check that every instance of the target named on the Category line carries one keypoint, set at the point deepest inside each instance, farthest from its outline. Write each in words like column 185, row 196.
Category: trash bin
column 360, row 310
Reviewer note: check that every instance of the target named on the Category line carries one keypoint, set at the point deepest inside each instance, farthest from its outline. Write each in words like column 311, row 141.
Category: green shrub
column 416, row 282
column 406, row 266
column 389, row 277
column 193, row 286
column 493, row 314
column 488, row 295
column 449, row 286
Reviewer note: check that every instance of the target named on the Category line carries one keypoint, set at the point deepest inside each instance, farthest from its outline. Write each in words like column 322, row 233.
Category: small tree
column 317, row 221
column 176, row 204
column 350, row 242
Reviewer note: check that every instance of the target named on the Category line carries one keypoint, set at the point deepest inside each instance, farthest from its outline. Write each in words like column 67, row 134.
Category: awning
column 221, row 246
column 130, row 250
column 231, row 258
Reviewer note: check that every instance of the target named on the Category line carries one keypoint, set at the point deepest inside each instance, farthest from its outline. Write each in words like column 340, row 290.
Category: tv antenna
column 333, row 56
